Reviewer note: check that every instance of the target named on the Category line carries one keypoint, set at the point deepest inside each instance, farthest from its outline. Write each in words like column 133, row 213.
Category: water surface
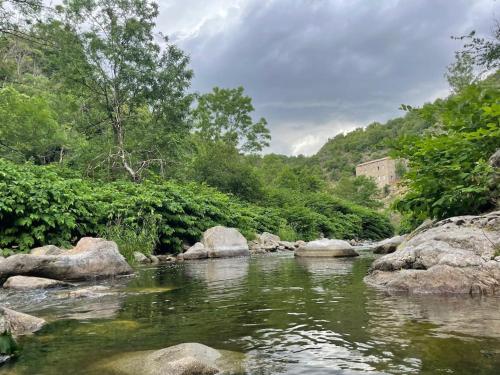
column 291, row 316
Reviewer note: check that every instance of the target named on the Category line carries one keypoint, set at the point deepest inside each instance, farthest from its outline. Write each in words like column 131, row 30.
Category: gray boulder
column 326, row 248
column 182, row 359
column 141, row 258
column 453, row 256
column 92, row 257
column 495, row 159
column 18, row 323
column 222, row 242
column 388, row 245
column 264, row 242
column 30, row 282
column 197, row 251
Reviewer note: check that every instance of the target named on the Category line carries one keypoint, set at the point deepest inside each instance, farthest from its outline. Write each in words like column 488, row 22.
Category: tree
column 460, row 73
column 225, row 115
column 107, row 49
column 361, row 190
column 29, row 129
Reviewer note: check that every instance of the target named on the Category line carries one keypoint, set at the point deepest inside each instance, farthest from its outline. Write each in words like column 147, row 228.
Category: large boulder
column 182, row 359
column 388, row 245
column 326, row 248
column 30, row 282
column 222, row 242
column 459, row 255
column 18, row 323
column 495, row 159
column 90, row 258
column 265, row 242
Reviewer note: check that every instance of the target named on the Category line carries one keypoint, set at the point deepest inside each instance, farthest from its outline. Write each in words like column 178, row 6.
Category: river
column 290, row 316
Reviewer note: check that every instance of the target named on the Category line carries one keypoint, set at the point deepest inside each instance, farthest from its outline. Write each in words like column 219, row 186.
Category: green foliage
column 28, row 128
column 224, row 115
column 361, row 190
column 38, row 206
column 141, row 236
column 340, row 155
column 448, row 173
column 8, row 345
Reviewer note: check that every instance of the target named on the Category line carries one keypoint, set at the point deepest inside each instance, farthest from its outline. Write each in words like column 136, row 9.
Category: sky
column 316, row 68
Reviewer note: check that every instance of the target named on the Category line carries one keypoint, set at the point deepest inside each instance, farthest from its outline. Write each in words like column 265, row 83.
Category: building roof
column 372, row 161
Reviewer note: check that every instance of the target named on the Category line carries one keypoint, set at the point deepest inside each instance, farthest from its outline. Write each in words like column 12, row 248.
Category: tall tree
column 108, row 49
column 225, row 115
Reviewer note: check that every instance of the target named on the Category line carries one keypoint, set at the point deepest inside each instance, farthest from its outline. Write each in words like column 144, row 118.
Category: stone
column 197, row 251
column 30, row 282
column 90, row 258
column 223, row 242
column 287, row 245
column 19, row 323
column 182, row 359
column 89, row 292
column 140, row 258
column 153, row 259
column 47, row 250
column 166, row 258
column 452, row 256
column 388, row 245
column 495, row 159
column 326, row 248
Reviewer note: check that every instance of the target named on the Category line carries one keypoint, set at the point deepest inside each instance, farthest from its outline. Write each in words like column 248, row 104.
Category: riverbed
column 288, row 315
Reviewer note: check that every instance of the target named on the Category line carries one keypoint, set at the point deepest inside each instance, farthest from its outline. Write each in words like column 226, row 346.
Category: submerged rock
column 453, row 256
column 19, row 323
column 30, row 282
column 92, row 257
column 326, row 248
column 182, row 359
column 388, row 245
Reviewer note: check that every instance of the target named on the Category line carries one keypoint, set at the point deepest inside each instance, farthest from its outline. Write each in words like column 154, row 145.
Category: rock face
column 29, row 282
column 388, row 245
column 326, row 248
column 18, row 323
column 222, row 242
column 459, row 255
column 92, row 257
column 182, row 359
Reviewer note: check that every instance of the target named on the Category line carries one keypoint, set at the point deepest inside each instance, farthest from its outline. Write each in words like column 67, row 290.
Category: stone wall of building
column 382, row 170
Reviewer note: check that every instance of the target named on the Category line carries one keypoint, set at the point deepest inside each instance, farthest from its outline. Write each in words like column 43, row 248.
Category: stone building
column 382, row 170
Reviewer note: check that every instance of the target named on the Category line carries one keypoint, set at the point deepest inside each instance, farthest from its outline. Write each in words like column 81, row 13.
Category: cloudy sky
column 315, row 68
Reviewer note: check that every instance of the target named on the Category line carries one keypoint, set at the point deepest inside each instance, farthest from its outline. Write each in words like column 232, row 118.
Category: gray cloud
column 317, row 67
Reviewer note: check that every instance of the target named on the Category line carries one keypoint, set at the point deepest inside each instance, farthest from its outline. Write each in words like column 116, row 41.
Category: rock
column 18, row 323
column 287, row 245
column 30, row 282
column 495, row 159
column 47, row 250
column 4, row 358
column 453, row 256
column 197, row 251
column 326, row 248
column 153, row 259
column 222, row 242
column 166, row 258
column 92, row 257
column 265, row 242
column 140, row 258
column 90, row 292
column 388, row 245
column 182, row 359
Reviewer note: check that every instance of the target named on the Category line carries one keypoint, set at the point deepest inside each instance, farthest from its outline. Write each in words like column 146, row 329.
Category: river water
column 290, row 316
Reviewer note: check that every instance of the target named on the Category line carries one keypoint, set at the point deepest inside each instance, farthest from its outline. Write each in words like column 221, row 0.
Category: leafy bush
column 38, row 206
column 142, row 237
